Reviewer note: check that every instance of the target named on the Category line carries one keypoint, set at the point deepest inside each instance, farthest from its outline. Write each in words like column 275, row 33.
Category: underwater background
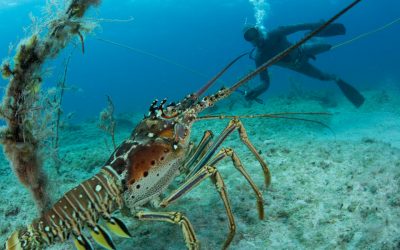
column 336, row 189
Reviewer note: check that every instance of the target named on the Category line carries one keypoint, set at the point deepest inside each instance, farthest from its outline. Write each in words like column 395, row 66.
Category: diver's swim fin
column 334, row 29
column 351, row 93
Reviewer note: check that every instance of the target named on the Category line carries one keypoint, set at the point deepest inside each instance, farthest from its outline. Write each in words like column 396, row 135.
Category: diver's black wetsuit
column 276, row 41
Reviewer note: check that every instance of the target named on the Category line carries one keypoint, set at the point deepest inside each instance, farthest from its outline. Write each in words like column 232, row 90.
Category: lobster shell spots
column 144, row 160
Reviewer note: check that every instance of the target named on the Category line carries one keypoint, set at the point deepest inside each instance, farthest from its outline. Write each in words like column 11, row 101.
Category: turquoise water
column 332, row 188
column 204, row 36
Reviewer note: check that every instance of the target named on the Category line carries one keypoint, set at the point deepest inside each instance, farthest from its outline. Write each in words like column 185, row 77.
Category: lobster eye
column 180, row 131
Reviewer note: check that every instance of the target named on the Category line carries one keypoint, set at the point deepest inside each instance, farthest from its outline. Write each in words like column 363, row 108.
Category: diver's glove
column 250, row 95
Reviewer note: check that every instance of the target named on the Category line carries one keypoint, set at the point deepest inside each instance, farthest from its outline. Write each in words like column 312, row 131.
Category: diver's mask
column 251, row 34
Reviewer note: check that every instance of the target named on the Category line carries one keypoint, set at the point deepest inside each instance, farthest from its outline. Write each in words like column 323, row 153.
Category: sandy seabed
column 330, row 190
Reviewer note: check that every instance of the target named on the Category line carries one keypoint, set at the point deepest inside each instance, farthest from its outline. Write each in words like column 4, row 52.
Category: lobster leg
column 176, row 218
column 202, row 174
column 250, row 146
column 209, row 151
column 232, row 126
column 212, row 149
column 199, row 151
column 239, row 166
column 216, row 178
column 210, row 170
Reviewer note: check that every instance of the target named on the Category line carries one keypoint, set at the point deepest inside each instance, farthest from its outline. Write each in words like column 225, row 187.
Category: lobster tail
column 26, row 238
column 81, row 207
column 13, row 242
column 101, row 236
column 118, row 227
column 82, row 243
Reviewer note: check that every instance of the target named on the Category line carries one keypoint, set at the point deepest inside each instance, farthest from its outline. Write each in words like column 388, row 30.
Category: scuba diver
column 275, row 41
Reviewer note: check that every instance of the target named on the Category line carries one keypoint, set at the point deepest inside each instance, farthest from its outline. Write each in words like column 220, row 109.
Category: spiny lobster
column 143, row 166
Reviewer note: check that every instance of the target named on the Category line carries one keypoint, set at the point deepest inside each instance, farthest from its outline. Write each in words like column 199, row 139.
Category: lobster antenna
column 209, row 117
column 363, row 35
column 285, row 115
column 215, row 78
column 290, row 49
